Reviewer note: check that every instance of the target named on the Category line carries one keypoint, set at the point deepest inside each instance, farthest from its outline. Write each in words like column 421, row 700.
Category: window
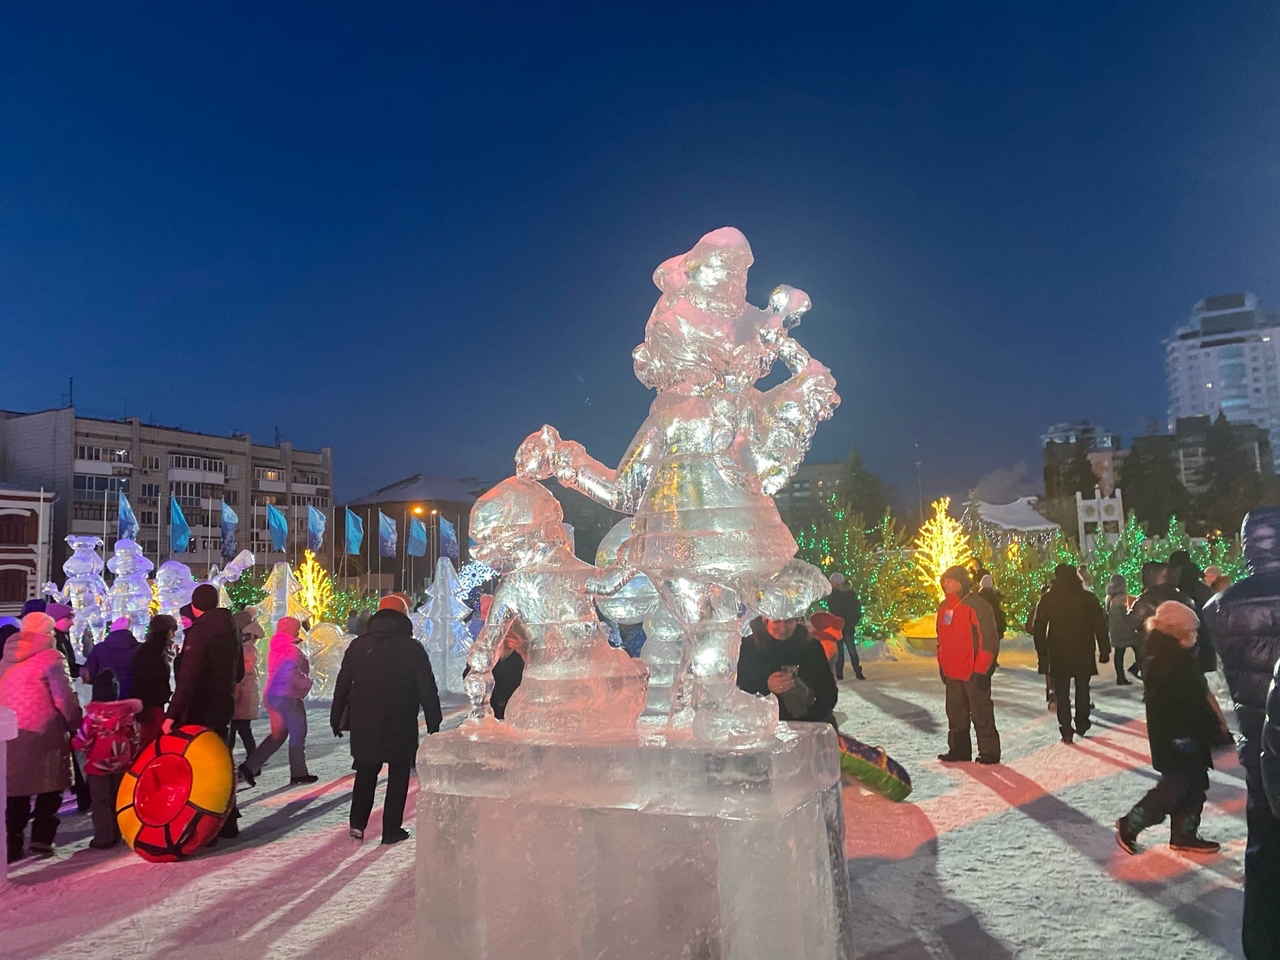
column 309, row 478
column 233, row 471
column 91, row 487
column 102, row 454
column 149, row 546
column 150, row 493
column 186, row 491
column 13, row 586
column 13, row 530
column 151, row 463
column 262, row 499
column 305, row 500
column 182, row 461
column 148, row 518
column 268, row 473
column 232, row 497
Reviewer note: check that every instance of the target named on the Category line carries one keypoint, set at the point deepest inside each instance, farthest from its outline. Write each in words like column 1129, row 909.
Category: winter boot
column 16, row 847
column 1184, row 835
column 1128, row 827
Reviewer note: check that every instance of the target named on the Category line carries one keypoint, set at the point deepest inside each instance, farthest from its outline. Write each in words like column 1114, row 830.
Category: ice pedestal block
column 644, row 849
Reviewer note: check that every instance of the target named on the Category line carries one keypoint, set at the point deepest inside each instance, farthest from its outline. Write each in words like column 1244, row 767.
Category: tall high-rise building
column 1226, row 359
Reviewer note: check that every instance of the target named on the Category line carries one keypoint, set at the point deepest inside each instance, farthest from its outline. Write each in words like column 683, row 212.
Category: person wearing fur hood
column 35, row 685
column 288, row 683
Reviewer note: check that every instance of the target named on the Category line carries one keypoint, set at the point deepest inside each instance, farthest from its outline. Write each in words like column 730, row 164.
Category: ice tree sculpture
column 443, row 629
column 325, row 646
column 84, row 591
column 282, row 600
column 700, row 474
column 174, row 585
column 574, row 682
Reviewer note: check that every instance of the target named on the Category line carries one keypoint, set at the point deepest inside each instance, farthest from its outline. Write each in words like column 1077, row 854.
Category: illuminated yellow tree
column 315, row 586
column 941, row 543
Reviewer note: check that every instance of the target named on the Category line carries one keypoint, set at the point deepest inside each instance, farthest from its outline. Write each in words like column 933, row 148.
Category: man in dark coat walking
column 385, row 679
column 844, row 603
column 1243, row 621
column 1069, row 621
column 212, row 665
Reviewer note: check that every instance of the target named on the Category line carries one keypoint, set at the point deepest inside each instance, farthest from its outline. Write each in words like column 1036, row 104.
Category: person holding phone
column 779, row 657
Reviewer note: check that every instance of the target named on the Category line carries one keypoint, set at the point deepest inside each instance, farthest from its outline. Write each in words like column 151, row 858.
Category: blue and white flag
column 127, row 528
column 316, row 522
column 417, row 545
column 386, row 535
column 229, row 521
column 278, row 527
column 355, row 533
column 448, row 540
column 179, row 531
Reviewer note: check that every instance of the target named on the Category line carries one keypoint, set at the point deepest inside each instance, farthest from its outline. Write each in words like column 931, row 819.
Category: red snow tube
column 176, row 795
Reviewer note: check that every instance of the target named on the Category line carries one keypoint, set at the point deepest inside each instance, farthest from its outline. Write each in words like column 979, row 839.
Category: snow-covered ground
column 985, row 863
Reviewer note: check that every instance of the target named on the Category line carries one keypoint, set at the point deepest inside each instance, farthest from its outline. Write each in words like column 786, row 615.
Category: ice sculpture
column 84, row 591
column 232, row 572
column 638, row 602
column 574, row 682
column 325, row 645
column 700, row 474
column 130, row 592
column 174, row 585
column 727, row 826
column 443, row 629
column 281, row 587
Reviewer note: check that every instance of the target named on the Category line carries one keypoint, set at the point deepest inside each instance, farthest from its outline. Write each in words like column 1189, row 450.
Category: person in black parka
column 1184, row 726
column 1069, row 622
column 1190, row 581
column 1244, row 621
column 385, row 680
column 779, row 657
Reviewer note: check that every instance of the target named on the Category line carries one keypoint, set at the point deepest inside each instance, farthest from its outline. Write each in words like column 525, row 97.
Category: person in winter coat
column 1190, row 581
column 1069, row 622
column 1120, row 631
column 212, row 665
column 288, row 683
column 1184, row 724
column 1243, row 622
column 844, row 603
column 384, row 681
column 968, row 646
column 63, row 618
column 151, row 673
column 779, row 657
column 1029, row 628
column 8, row 627
column 988, row 592
column 1158, row 585
column 115, row 653
column 509, row 669
column 34, row 684
column 248, row 705
column 1269, row 748
column 109, row 738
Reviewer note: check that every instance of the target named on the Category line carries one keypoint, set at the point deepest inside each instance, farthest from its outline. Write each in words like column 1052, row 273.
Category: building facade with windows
column 1226, row 359
column 25, row 547
column 89, row 462
column 802, row 501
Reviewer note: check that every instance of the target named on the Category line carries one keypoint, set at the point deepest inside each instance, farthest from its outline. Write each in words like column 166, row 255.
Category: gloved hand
column 337, row 733
column 983, row 680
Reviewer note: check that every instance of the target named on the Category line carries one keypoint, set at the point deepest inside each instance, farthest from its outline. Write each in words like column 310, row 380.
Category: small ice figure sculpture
column 232, row 572
column 574, row 683
column 130, row 592
column 174, row 585
column 84, row 591
column 700, row 474
column 442, row 628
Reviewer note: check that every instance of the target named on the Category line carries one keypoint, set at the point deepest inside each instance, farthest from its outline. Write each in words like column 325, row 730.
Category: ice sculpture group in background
column 84, row 591
column 697, row 480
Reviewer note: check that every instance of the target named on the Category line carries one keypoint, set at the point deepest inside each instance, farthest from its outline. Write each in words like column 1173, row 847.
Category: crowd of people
column 141, row 690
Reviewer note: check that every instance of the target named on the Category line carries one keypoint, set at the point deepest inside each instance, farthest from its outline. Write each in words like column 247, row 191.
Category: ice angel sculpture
column 84, row 591
column 574, row 682
column 700, row 474
column 131, row 591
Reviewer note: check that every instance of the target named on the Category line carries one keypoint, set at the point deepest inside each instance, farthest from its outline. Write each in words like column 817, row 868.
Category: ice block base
column 644, row 849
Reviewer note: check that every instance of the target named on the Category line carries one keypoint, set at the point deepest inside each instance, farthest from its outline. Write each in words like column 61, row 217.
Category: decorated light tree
column 941, row 543
column 315, row 587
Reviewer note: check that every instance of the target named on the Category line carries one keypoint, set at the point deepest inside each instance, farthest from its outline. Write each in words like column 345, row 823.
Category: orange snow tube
column 176, row 795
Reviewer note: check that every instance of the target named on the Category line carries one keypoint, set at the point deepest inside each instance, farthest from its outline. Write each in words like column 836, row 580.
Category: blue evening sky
column 417, row 232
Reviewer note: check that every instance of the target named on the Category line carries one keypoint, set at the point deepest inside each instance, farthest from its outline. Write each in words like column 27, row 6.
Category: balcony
column 196, row 476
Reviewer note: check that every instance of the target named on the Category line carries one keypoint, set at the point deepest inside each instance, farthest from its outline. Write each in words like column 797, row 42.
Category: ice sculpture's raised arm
column 545, row 454
column 788, row 415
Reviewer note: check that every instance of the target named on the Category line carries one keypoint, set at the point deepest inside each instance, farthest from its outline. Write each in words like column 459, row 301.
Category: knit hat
column 1176, row 619
column 837, row 580
column 35, row 605
column 395, row 601
column 960, row 575
column 826, row 626
column 204, row 598
column 987, row 583
column 289, row 626
column 37, row 622
column 59, row 611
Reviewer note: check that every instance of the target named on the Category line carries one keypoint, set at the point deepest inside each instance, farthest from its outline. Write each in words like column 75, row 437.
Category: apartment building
column 88, row 462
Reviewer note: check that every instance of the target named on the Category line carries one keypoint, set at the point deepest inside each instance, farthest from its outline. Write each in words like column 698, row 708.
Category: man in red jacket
column 968, row 644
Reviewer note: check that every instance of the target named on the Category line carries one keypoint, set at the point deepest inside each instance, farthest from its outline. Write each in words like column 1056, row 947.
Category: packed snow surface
column 986, row 863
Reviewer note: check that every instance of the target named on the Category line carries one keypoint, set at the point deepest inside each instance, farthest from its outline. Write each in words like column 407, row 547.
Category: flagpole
column 404, row 553
column 368, row 565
